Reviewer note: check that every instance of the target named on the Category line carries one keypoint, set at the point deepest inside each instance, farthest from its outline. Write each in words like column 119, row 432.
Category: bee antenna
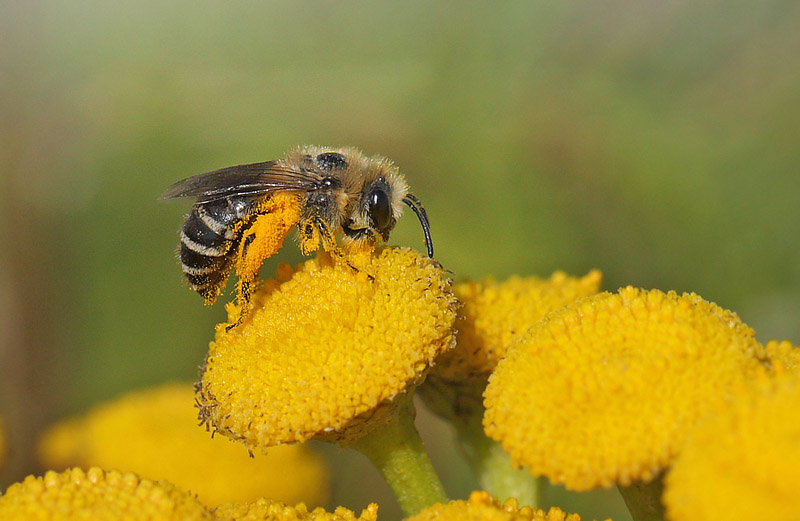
column 415, row 204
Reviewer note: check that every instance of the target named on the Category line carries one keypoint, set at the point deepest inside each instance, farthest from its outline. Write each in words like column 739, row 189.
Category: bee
column 242, row 213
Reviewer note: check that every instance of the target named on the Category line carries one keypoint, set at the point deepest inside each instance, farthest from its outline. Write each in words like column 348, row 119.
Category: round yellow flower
column 270, row 510
column 494, row 314
column 328, row 348
column 781, row 356
column 744, row 462
column 483, row 507
column 154, row 433
column 75, row 495
column 604, row 390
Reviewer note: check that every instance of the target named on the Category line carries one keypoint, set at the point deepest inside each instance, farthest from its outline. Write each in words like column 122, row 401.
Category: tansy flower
column 781, row 356
column 271, row 510
column 482, row 507
column 743, row 463
column 154, row 433
column 75, row 495
column 494, row 314
column 327, row 349
column 332, row 350
column 604, row 390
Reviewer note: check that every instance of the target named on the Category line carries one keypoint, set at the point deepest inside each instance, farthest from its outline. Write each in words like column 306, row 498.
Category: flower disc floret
column 328, row 348
column 75, row 495
column 271, row 510
column 481, row 506
column 154, row 433
column 781, row 357
column 494, row 314
column 605, row 390
column 743, row 462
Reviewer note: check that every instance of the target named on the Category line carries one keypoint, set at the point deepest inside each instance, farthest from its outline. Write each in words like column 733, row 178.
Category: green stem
column 492, row 465
column 644, row 499
column 397, row 451
column 461, row 403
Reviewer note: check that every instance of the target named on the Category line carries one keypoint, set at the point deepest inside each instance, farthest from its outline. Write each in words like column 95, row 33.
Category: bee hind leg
column 262, row 239
column 244, row 291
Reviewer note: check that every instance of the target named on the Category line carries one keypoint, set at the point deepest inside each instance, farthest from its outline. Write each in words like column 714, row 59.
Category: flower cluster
column 668, row 397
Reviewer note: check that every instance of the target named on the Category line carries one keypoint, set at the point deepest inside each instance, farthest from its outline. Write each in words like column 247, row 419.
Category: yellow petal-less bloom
column 270, row 510
column 782, row 356
column 154, row 433
column 483, row 507
column 605, row 390
column 743, row 462
column 75, row 495
column 328, row 348
column 494, row 314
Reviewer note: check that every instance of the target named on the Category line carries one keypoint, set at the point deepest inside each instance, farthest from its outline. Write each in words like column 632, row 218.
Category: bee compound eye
column 380, row 209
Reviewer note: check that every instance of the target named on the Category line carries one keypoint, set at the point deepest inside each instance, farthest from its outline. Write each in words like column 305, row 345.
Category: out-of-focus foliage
column 656, row 141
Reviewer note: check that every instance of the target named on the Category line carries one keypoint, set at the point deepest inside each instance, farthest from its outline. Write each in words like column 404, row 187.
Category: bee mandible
column 243, row 213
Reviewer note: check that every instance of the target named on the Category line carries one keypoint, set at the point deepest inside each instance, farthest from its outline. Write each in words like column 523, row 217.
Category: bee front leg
column 329, row 243
column 314, row 231
column 328, row 239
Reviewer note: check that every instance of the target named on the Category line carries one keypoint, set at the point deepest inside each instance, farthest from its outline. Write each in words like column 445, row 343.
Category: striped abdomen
column 209, row 243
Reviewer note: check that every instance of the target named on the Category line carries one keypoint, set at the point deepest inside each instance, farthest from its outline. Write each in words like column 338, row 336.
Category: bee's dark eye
column 331, row 160
column 380, row 209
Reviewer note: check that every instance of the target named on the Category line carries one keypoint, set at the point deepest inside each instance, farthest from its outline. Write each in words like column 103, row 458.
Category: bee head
column 382, row 203
column 372, row 193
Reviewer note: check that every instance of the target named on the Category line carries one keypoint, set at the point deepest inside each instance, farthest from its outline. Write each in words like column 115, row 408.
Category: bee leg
column 310, row 237
column 262, row 239
column 244, row 291
column 328, row 239
column 329, row 243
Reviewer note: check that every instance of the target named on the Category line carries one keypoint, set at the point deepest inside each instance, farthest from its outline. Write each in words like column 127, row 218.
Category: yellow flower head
column 494, row 314
column 604, row 390
column 483, row 507
column 782, row 356
column 270, row 510
column 75, row 495
column 327, row 348
column 154, row 433
column 743, row 463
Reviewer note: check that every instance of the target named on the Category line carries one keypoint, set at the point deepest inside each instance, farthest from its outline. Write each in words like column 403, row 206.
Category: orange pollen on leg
column 266, row 235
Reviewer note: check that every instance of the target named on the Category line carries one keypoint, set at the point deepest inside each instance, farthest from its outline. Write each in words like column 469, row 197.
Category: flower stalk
column 397, row 451
column 461, row 404
column 493, row 466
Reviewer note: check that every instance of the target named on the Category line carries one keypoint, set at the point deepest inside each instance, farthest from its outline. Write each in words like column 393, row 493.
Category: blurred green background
column 656, row 141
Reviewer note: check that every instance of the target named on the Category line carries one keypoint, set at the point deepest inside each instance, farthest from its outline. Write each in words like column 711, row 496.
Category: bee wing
column 252, row 179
